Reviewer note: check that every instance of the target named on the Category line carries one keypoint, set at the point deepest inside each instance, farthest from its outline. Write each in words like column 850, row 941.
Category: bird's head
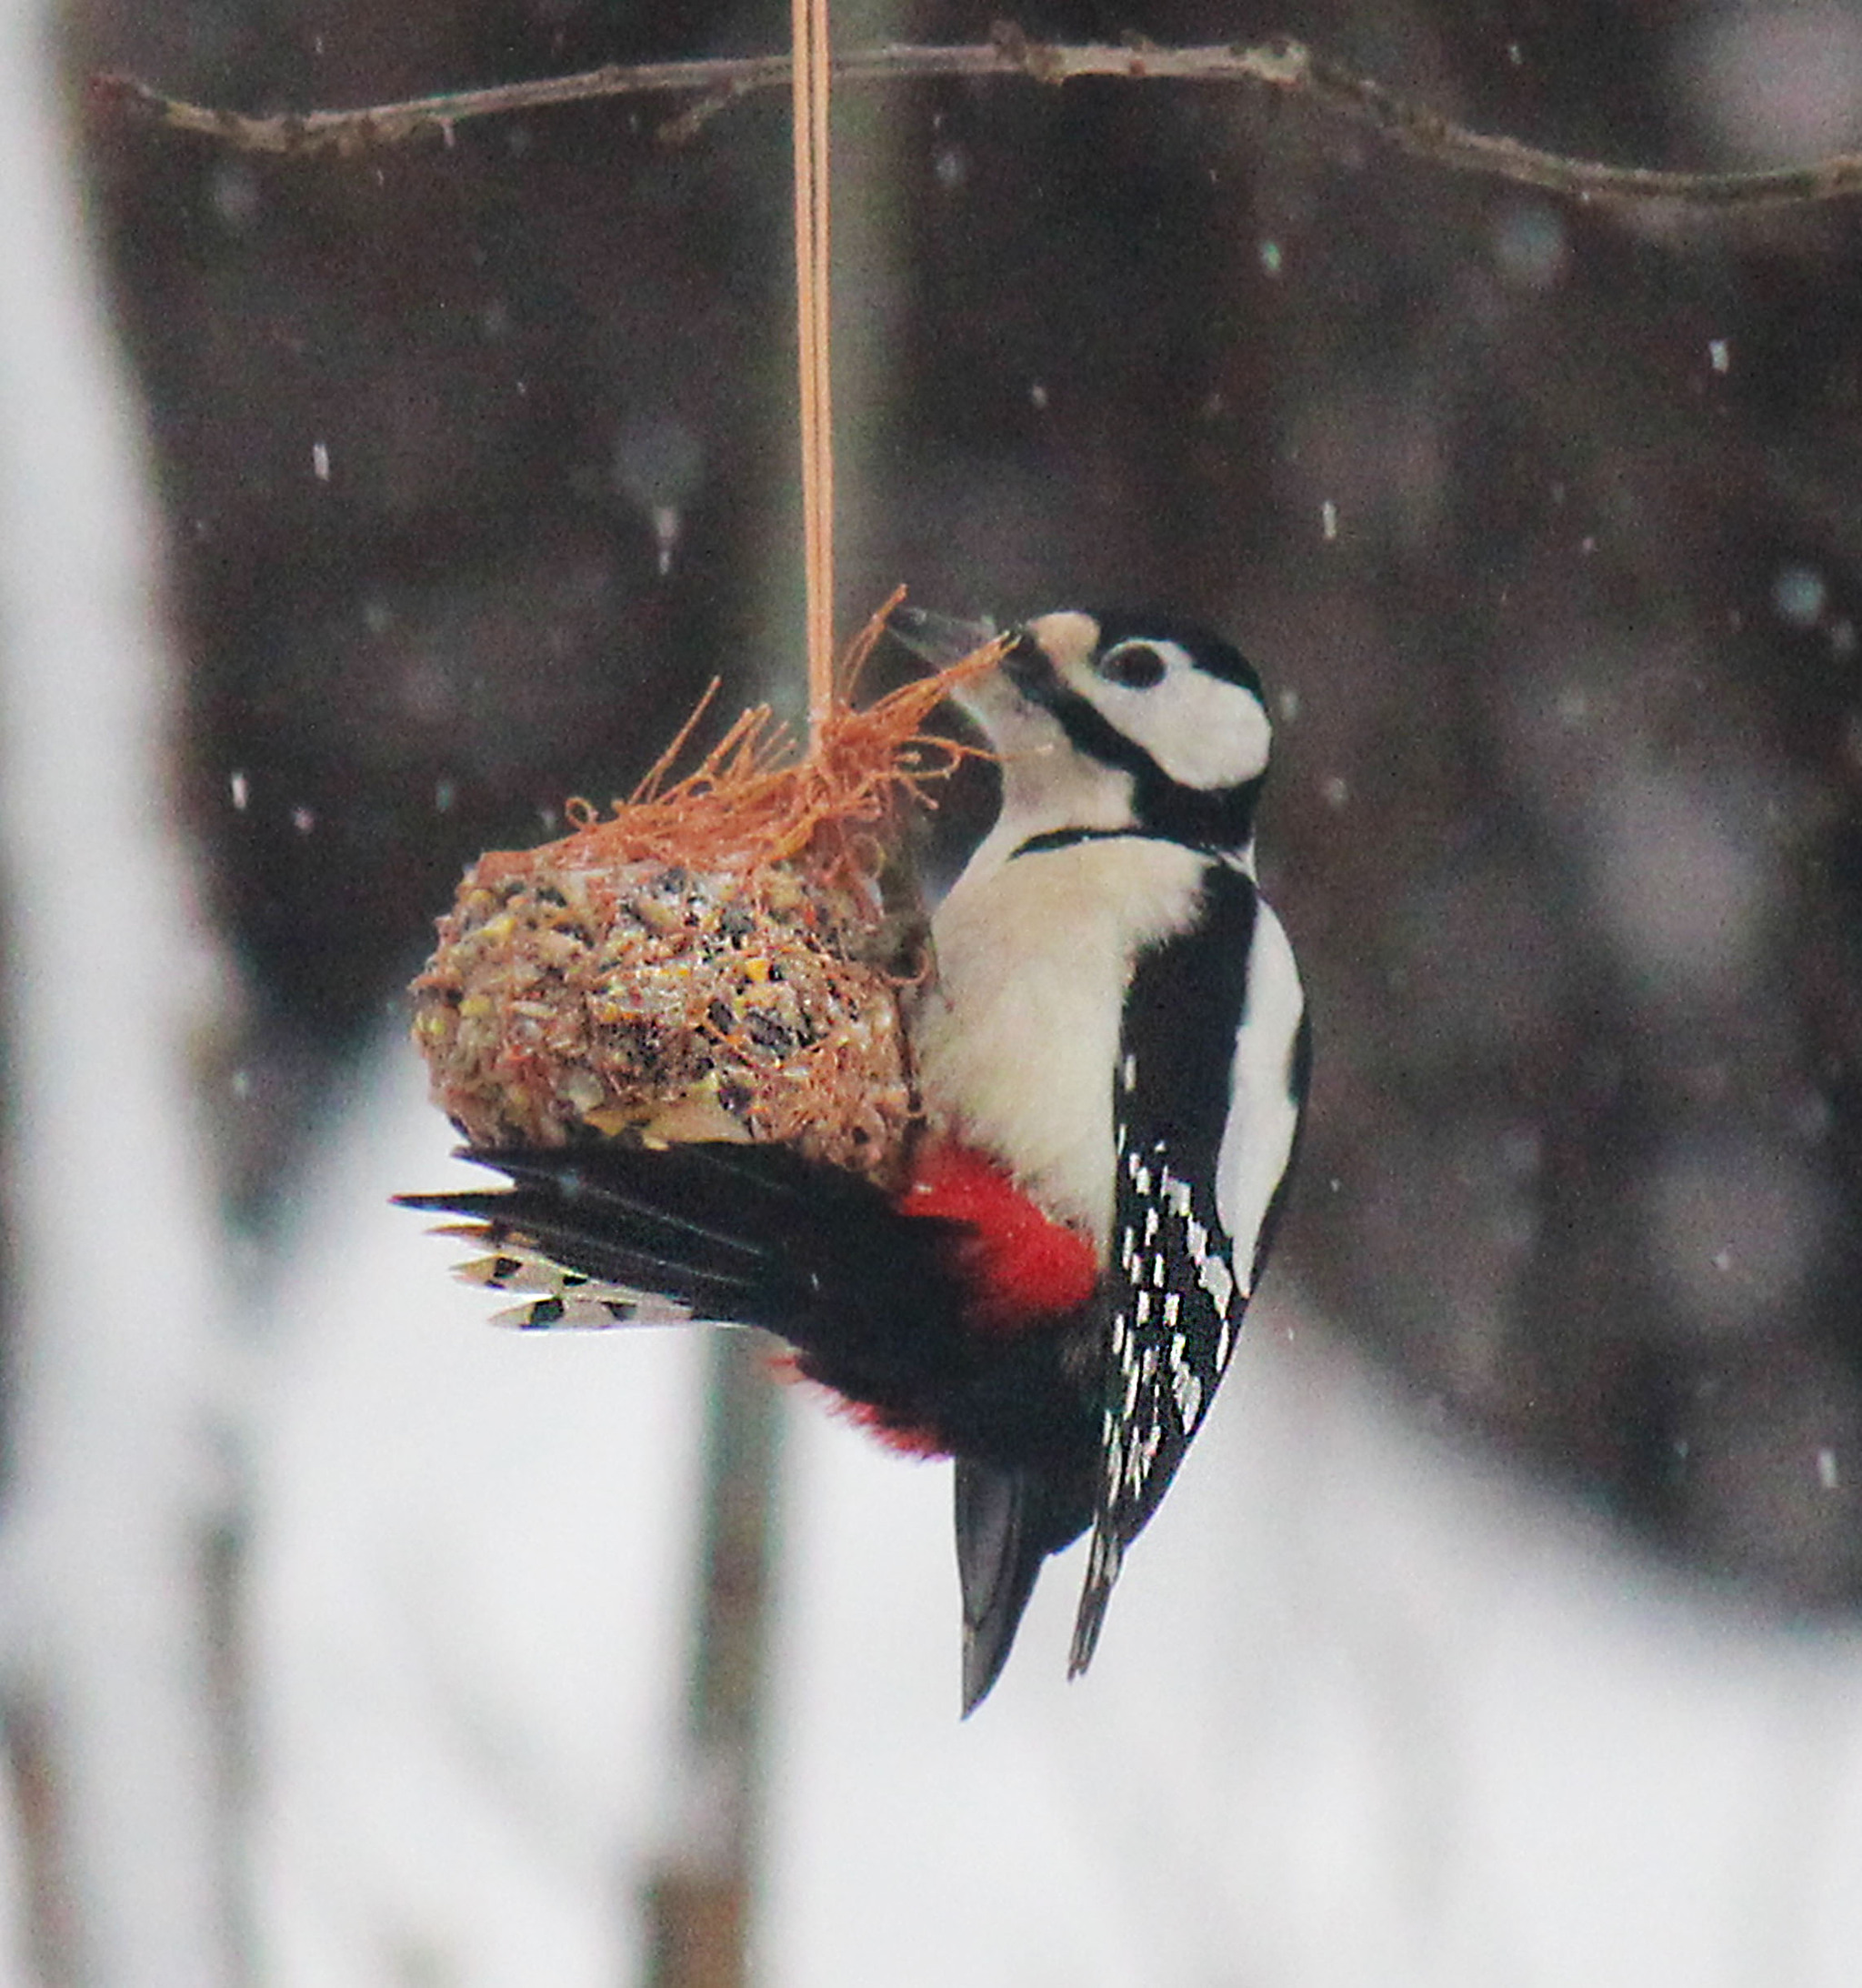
column 1116, row 721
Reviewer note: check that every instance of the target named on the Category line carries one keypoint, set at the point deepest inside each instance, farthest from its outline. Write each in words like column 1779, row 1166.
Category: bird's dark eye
column 1136, row 664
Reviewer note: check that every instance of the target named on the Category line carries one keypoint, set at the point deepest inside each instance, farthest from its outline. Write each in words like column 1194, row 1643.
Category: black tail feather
column 1008, row 1522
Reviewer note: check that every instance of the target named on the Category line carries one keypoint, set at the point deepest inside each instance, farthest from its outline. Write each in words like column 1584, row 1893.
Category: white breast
column 1017, row 1042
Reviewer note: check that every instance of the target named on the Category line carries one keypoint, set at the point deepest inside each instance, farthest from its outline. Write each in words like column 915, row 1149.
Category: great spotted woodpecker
column 1112, row 1058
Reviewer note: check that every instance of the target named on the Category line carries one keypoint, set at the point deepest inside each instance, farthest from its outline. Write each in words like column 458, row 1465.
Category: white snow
column 469, row 1595
column 1368, row 1711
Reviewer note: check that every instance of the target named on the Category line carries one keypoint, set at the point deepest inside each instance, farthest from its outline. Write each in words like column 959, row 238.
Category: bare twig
column 1283, row 67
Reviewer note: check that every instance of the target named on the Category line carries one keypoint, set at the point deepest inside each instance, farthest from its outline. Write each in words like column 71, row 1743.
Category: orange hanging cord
column 811, row 76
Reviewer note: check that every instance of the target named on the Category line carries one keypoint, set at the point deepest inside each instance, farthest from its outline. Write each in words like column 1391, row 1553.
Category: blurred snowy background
column 353, row 513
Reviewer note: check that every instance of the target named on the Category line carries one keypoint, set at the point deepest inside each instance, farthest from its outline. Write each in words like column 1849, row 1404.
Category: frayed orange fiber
column 752, row 800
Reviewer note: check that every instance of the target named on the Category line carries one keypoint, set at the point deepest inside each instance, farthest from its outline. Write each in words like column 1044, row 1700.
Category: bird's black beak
column 938, row 639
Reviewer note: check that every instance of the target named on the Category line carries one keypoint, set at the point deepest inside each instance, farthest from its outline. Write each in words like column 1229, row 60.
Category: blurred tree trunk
column 699, row 1899
column 115, row 1303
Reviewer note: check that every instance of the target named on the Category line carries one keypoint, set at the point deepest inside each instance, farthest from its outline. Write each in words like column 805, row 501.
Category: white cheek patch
column 1205, row 732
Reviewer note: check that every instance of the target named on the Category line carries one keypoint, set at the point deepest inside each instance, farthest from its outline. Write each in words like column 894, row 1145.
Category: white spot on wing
column 1189, row 1401
column 1186, row 1386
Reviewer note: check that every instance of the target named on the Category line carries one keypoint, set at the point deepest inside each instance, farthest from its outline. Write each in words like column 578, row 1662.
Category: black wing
column 1175, row 1300
column 875, row 1302
column 742, row 1234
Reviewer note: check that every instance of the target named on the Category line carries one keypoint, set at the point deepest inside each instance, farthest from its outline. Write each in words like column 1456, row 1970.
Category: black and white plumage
column 1120, row 1018
column 1111, row 1058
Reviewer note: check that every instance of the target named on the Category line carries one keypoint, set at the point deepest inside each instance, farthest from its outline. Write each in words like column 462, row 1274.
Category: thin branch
column 1283, row 67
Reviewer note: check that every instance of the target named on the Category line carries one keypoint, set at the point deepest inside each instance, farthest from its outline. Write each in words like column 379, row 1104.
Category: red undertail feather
column 904, row 1439
column 1021, row 1271
column 1026, row 1268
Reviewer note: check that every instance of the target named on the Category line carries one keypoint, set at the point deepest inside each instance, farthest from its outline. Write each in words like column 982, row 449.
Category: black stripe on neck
column 1218, row 819
column 1065, row 838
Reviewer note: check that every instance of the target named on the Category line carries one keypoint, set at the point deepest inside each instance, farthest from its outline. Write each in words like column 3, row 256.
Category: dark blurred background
column 479, row 459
